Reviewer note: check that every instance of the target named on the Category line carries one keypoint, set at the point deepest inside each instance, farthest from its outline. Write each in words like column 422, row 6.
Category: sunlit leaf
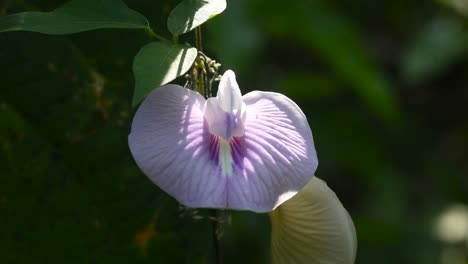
column 76, row 16
column 457, row 5
column 159, row 63
column 189, row 14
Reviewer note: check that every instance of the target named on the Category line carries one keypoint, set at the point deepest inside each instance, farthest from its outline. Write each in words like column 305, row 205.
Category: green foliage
column 156, row 63
column 76, row 16
column 336, row 40
column 70, row 191
column 159, row 63
column 305, row 85
column 190, row 14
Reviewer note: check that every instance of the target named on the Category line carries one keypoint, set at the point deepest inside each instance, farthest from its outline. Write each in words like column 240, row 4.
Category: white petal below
column 313, row 227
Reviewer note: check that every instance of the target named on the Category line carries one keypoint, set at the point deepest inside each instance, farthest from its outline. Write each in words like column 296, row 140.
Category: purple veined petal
column 171, row 144
column 276, row 156
column 313, row 227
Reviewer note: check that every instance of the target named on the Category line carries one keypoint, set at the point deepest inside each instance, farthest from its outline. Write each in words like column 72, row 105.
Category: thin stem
column 200, row 64
column 200, row 67
column 216, row 243
column 153, row 34
column 206, row 85
column 175, row 39
column 198, row 39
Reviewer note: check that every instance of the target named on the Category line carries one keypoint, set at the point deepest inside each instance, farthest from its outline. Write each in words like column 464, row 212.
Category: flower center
column 226, row 154
column 225, row 113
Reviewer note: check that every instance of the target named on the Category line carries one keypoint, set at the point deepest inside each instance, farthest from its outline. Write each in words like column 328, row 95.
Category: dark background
column 384, row 85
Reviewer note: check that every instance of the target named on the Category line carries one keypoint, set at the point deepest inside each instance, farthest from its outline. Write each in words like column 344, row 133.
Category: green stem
column 198, row 39
column 153, row 34
column 175, row 40
column 216, row 243
column 200, row 64
column 200, row 85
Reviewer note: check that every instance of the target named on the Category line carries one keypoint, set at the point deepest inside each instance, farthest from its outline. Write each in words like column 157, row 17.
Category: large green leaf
column 189, row 14
column 76, row 16
column 158, row 63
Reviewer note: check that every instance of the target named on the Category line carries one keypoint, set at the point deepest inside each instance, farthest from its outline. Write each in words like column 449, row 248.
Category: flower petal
column 225, row 113
column 170, row 143
column 313, row 227
column 229, row 95
column 277, row 142
column 216, row 118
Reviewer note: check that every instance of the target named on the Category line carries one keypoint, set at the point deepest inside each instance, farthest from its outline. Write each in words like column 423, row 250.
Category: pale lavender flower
column 250, row 152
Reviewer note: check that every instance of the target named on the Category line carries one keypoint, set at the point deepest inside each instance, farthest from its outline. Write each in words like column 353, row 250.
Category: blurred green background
column 384, row 85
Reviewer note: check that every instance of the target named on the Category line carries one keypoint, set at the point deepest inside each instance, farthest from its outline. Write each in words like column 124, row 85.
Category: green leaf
column 189, row 14
column 76, row 16
column 158, row 63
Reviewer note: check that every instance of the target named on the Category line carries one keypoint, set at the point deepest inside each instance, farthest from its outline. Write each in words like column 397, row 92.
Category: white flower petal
column 229, row 95
column 313, row 227
column 225, row 113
